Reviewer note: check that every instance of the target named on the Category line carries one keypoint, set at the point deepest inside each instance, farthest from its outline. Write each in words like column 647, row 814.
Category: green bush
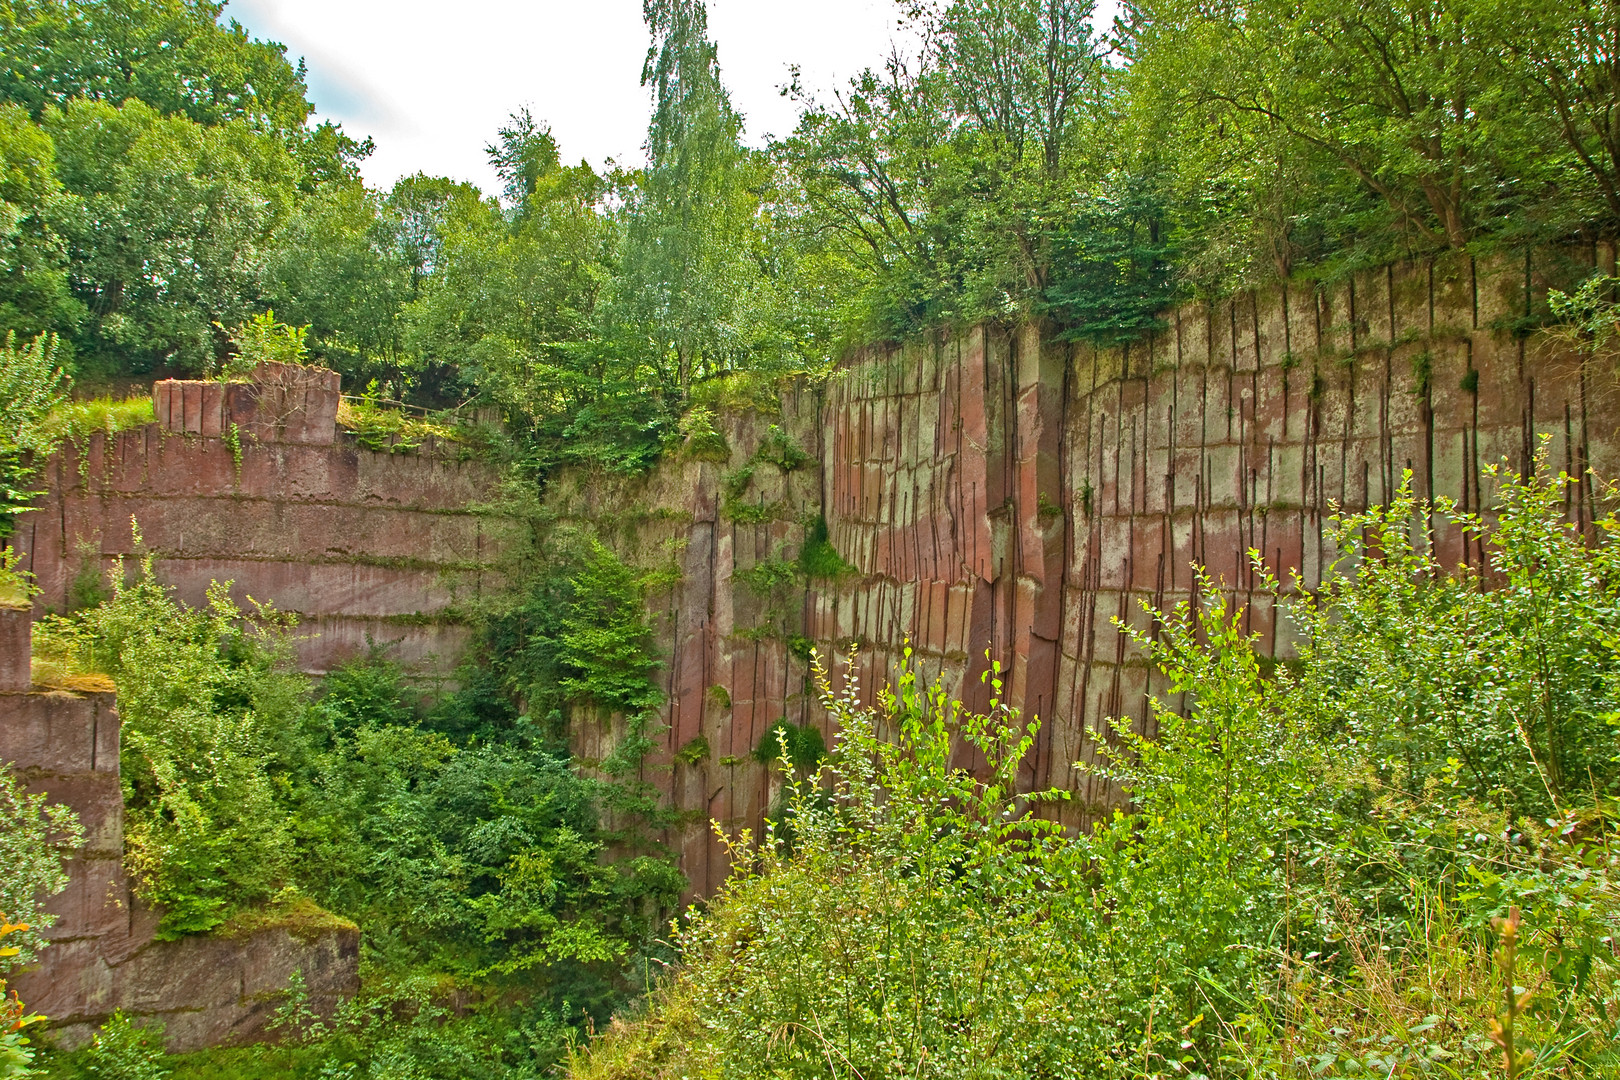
column 766, row 576
column 605, row 645
column 32, row 384
column 818, row 559
column 210, row 712
column 36, row 838
column 802, row 745
column 368, row 692
column 481, row 862
column 1313, row 875
column 17, row 588
column 123, row 1050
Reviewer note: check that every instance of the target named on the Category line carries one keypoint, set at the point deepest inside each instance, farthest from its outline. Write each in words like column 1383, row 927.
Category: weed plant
column 503, row 899
column 32, row 385
column 16, row 1055
column 1393, row 856
column 36, row 838
column 76, row 421
column 377, row 426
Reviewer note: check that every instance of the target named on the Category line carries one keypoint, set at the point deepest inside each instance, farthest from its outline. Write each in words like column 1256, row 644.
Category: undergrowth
column 507, row 898
column 390, row 429
column 1396, row 856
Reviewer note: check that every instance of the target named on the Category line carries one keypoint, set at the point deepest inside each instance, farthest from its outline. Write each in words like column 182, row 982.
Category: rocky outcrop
column 103, row 953
column 254, row 484
column 1003, row 496
column 219, row 989
column 250, row 483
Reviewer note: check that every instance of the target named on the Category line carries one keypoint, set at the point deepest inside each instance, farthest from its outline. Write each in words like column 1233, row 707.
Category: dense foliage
column 203, row 708
column 1337, row 868
column 480, row 863
column 1307, row 877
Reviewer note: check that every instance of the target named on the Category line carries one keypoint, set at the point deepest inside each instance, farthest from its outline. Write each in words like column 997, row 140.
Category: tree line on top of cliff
column 163, row 178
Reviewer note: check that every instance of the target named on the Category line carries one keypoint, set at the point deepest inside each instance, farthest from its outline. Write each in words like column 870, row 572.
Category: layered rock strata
column 999, row 495
column 254, row 484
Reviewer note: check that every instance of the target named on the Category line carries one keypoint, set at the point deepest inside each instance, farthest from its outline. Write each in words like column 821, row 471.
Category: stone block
column 96, row 797
column 208, row 991
column 94, row 907
column 16, row 634
column 59, row 734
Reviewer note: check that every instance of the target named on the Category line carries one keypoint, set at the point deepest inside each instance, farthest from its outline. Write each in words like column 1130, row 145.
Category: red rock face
column 15, row 649
column 360, row 544
column 1004, row 496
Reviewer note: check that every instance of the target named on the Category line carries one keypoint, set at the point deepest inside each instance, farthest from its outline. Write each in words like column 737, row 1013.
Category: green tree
column 524, row 152
column 864, row 171
column 1024, row 80
column 685, row 277
column 34, row 293
column 337, row 266
column 165, row 156
column 172, row 232
column 980, row 178
column 171, row 54
column 421, row 207
column 1405, row 99
column 504, row 302
column 1566, row 54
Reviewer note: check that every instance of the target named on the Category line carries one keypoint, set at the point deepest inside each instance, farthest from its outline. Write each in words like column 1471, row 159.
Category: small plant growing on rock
column 780, row 450
column 818, row 559
column 701, row 439
column 32, row 385
column 263, row 340
column 124, row 1050
column 801, row 744
column 35, row 838
column 694, row 752
column 16, row 588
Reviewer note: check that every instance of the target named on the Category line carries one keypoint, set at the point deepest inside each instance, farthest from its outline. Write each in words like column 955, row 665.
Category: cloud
column 335, row 89
column 432, row 84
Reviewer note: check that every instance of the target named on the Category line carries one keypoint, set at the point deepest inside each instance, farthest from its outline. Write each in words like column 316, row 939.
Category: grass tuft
column 76, row 421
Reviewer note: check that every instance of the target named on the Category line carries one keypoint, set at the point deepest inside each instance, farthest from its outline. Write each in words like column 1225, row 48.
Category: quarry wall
column 253, row 483
column 1004, row 496
column 998, row 495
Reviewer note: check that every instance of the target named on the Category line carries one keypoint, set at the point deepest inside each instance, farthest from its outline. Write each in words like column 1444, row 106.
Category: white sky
column 431, row 82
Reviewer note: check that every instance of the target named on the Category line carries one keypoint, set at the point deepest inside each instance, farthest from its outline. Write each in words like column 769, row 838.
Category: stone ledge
column 208, row 991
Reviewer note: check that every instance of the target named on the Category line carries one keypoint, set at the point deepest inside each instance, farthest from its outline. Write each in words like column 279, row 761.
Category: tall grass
column 76, row 421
